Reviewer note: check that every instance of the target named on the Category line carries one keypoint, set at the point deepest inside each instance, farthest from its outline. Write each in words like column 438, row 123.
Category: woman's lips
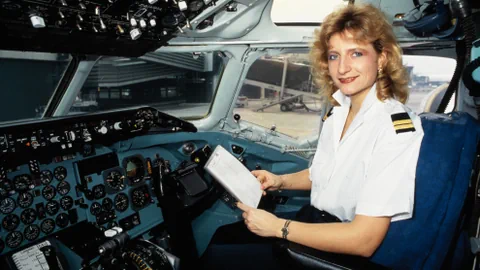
column 347, row 80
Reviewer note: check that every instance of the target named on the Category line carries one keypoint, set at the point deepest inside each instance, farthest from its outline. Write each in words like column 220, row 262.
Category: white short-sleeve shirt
column 371, row 171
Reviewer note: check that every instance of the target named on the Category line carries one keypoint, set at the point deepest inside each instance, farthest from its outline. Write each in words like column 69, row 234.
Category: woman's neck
column 357, row 100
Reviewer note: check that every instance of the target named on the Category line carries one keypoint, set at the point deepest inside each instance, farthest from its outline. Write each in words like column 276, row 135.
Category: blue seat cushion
column 443, row 173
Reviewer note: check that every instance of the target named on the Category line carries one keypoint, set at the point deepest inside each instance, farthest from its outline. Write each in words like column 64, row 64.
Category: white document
column 234, row 177
column 31, row 258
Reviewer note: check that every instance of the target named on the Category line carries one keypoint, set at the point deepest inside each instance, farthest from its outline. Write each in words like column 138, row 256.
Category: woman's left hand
column 261, row 222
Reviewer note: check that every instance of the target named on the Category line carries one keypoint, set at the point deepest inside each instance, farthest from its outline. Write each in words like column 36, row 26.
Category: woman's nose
column 344, row 65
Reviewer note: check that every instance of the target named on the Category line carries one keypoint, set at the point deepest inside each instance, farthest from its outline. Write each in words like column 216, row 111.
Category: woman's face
column 353, row 66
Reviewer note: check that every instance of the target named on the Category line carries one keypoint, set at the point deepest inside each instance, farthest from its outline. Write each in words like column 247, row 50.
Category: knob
column 55, row 139
column 133, row 22
column 182, row 5
column 143, row 24
column 135, row 33
column 151, row 2
column 103, row 130
column 153, row 22
column 118, row 126
column 97, row 10
column 37, row 21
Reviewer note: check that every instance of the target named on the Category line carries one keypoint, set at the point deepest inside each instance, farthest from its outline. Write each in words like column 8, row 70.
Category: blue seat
column 443, row 173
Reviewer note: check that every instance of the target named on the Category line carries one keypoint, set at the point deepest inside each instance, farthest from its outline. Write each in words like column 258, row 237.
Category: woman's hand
column 261, row 222
column 268, row 180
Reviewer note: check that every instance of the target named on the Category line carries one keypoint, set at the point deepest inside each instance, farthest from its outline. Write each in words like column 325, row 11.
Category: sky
column 437, row 68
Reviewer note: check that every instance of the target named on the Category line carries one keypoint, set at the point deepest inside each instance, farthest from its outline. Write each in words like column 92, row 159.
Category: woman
column 363, row 172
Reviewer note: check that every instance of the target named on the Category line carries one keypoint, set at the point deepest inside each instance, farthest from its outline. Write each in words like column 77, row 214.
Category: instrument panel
column 99, row 27
column 62, row 187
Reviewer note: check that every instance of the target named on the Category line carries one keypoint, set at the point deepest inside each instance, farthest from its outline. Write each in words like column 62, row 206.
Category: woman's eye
column 357, row 54
column 332, row 57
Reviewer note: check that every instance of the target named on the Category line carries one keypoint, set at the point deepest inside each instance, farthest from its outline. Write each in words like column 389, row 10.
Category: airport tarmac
column 299, row 123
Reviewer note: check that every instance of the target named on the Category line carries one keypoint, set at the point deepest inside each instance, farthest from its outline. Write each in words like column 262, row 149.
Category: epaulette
column 402, row 122
column 330, row 112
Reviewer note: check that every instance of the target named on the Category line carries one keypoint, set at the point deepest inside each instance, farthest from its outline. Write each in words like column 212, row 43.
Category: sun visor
column 304, row 12
column 100, row 27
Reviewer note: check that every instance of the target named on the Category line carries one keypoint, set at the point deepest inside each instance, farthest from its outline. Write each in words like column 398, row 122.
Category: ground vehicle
column 196, row 78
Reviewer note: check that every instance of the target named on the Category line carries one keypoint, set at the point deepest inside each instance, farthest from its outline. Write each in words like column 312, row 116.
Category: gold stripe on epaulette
column 403, row 126
column 401, row 122
column 324, row 117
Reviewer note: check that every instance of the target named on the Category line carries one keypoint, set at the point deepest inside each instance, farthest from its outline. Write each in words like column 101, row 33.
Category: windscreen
column 27, row 82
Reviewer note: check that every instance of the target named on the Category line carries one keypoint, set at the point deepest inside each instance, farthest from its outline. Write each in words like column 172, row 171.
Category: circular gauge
column 2, row 246
column 62, row 220
column 23, row 182
column 10, row 222
column 52, row 207
column 6, row 187
column 47, row 226
column 31, row 232
column 60, row 173
column 95, row 208
column 121, row 202
column 14, row 239
column 66, row 202
column 63, row 188
column 140, row 197
column 48, row 192
column 25, row 200
column 114, row 180
column 28, row 216
column 107, row 204
column 98, row 191
column 135, row 169
column 7, row 205
column 46, row 177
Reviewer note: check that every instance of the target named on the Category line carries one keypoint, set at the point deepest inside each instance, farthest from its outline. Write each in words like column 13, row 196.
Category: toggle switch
column 151, row 2
column 135, row 33
column 94, row 29
column 120, row 29
column 79, row 27
column 80, row 18
column 102, row 25
column 82, row 5
column 63, row 2
column 60, row 13
column 37, row 21
column 97, row 10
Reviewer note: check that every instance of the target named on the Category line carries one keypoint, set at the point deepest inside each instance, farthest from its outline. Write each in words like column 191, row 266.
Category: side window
column 279, row 91
column 429, row 77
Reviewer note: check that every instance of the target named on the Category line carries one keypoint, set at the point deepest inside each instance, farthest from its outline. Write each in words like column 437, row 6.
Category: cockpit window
column 180, row 84
column 278, row 91
column 27, row 81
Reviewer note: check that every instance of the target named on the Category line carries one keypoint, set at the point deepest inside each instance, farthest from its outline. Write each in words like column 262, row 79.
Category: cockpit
column 110, row 110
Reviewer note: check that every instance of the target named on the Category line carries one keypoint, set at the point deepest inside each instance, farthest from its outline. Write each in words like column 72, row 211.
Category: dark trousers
column 233, row 246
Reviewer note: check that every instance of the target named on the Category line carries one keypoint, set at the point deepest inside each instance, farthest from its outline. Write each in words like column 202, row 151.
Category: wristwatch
column 285, row 229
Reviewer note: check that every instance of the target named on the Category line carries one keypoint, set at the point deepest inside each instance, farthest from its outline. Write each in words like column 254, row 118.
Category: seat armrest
column 297, row 256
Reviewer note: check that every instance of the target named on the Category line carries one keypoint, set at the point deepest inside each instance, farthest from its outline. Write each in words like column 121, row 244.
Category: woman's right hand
column 268, row 180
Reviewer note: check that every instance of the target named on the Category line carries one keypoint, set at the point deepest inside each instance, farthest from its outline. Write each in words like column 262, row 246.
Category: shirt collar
column 345, row 101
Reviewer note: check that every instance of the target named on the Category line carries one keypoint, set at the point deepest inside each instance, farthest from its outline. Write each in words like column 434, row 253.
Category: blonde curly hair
column 368, row 25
